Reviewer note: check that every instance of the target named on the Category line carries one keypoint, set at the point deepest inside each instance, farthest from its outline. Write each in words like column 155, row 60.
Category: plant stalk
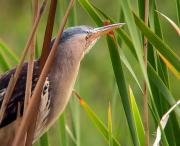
column 145, row 98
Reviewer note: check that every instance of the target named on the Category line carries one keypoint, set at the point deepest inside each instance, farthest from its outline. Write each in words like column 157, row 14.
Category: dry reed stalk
column 35, row 99
column 145, row 95
column 45, row 52
column 19, row 66
column 31, row 58
column 48, row 34
column 30, row 132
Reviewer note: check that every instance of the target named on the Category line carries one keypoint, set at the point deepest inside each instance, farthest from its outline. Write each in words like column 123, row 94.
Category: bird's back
column 11, row 117
column 17, row 97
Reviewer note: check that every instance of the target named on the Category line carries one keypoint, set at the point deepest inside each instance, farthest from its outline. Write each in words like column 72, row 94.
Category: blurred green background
column 96, row 83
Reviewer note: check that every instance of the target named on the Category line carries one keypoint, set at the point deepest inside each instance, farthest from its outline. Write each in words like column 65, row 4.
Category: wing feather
column 18, row 93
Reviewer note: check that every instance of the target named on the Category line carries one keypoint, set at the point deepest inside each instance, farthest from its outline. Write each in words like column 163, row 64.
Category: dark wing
column 18, row 93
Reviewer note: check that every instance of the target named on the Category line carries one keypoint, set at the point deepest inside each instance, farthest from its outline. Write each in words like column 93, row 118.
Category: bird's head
column 80, row 39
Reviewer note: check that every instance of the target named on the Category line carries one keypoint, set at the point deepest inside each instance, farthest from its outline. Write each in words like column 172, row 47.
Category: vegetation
column 126, row 83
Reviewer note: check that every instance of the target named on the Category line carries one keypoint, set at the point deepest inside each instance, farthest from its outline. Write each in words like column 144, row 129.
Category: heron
column 75, row 42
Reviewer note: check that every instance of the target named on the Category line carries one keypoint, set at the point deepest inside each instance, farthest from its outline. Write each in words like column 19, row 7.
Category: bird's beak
column 100, row 31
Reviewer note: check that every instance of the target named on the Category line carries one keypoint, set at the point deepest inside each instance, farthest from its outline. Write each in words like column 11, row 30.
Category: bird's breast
column 62, row 78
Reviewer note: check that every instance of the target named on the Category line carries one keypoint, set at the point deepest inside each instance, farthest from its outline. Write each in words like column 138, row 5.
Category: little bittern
column 74, row 44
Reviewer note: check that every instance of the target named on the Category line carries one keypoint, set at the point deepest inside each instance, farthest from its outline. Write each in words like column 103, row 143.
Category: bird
column 75, row 42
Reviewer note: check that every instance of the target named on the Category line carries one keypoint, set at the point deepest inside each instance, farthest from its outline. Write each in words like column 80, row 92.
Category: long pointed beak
column 100, row 31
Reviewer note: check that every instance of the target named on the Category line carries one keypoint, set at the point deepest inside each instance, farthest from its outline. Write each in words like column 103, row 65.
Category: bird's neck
column 62, row 79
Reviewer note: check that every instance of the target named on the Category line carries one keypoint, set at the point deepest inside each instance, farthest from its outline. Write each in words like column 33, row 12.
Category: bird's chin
column 88, row 48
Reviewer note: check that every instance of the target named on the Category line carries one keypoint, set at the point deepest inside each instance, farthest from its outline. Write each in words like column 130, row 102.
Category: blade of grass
column 135, row 39
column 137, row 118
column 119, row 75
column 129, row 67
column 89, row 8
column 110, row 125
column 4, row 65
column 123, row 36
column 7, row 57
column 128, row 42
column 44, row 140
column 130, row 45
column 63, row 130
column 37, row 50
column 98, row 123
column 163, row 123
column 75, row 108
column 178, row 11
column 141, row 8
column 73, row 16
column 11, row 56
column 161, row 87
column 91, row 11
column 173, row 24
column 70, row 133
column 161, row 46
column 161, row 104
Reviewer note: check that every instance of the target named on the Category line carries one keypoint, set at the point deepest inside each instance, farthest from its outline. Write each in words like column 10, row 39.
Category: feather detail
column 44, row 110
column 2, row 93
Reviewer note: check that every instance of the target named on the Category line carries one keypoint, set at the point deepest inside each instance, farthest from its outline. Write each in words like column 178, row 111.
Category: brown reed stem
column 30, row 132
column 145, row 101
column 48, row 34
